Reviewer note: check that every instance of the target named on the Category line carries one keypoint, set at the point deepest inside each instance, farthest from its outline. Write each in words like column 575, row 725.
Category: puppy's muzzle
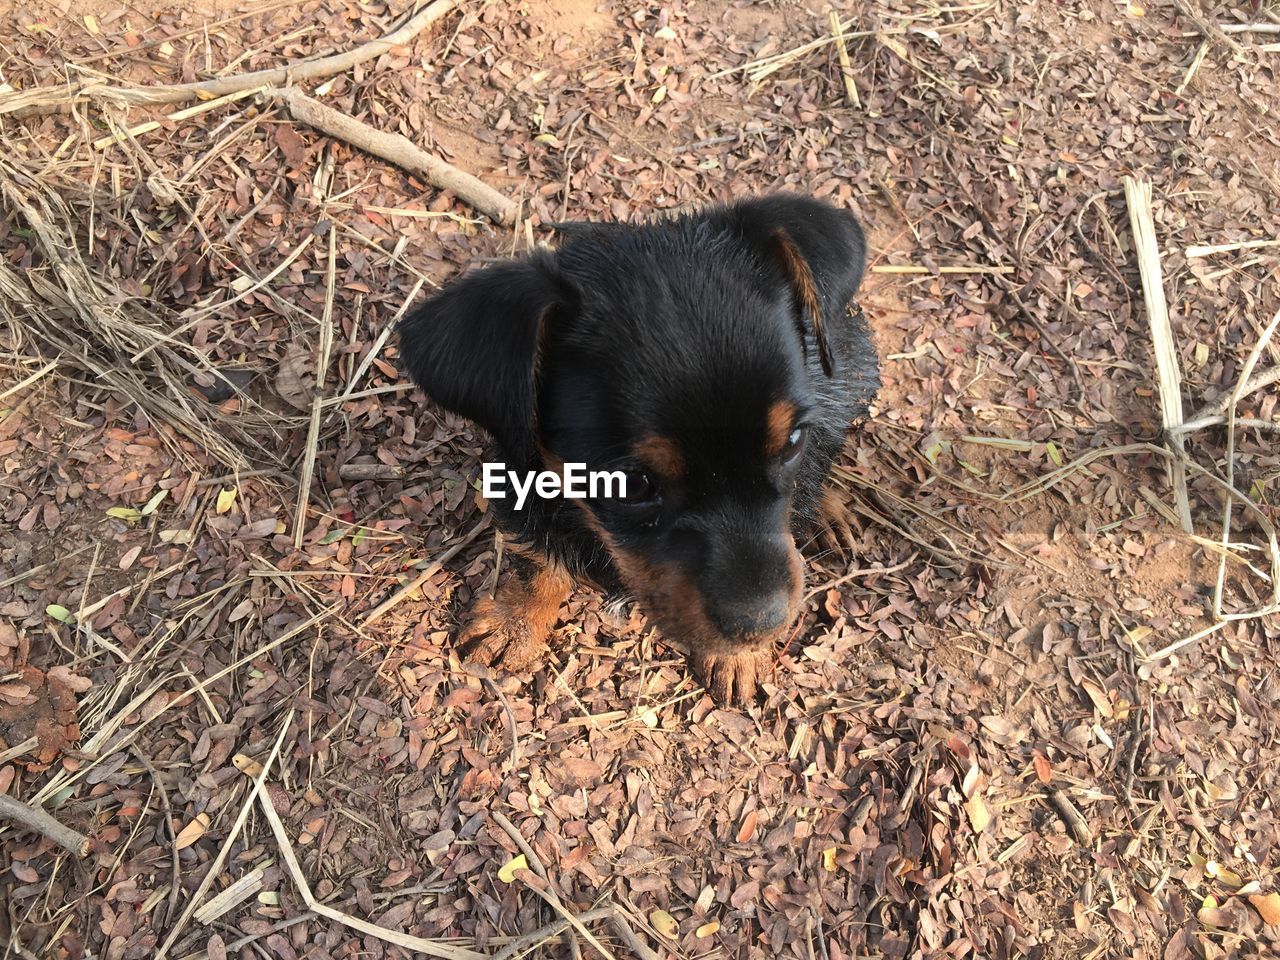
column 751, row 619
column 751, row 590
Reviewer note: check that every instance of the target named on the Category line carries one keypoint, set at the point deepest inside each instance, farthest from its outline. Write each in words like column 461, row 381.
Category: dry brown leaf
column 664, row 923
column 1268, row 907
column 979, row 816
column 1101, row 700
column 295, row 379
column 192, row 832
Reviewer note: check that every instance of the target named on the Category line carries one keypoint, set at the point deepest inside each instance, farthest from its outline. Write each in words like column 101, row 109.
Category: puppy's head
column 695, row 356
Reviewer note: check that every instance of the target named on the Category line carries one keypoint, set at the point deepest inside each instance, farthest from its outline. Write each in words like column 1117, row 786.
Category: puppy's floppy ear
column 820, row 249
column 474, row 347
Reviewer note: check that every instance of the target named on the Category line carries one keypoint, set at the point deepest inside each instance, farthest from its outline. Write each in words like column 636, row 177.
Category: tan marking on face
column 778, row 426
column 661, row 455
column 674, row 603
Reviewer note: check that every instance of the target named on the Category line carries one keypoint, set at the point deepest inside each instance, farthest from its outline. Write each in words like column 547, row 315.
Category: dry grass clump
column 95, row 327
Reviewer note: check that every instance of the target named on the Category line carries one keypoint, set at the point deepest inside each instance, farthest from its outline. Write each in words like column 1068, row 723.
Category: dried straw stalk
column 1169, row 376
column 44, row 100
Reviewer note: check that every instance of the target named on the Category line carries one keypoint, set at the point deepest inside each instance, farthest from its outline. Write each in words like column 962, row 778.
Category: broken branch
column 33, row 818
column 400, row 150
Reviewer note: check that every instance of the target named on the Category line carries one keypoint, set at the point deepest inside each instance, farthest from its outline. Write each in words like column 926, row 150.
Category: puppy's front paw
column 496, row 635
column 732, row 677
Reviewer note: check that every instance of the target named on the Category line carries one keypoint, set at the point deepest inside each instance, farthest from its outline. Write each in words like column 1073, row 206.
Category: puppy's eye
column 794, row 444
column 641, row 489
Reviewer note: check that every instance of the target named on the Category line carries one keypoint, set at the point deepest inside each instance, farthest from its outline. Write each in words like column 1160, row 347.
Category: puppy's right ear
column 474, row 347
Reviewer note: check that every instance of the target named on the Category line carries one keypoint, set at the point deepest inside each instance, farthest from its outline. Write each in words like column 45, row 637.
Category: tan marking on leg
column 510, row 629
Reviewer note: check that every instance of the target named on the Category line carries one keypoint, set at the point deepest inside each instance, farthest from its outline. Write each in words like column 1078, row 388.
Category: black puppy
column 711, row 358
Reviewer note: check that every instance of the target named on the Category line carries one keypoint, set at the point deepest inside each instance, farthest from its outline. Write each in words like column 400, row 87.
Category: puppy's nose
column 746, row 617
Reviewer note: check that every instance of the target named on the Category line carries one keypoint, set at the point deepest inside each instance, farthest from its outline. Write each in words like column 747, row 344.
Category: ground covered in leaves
column 1000, row 747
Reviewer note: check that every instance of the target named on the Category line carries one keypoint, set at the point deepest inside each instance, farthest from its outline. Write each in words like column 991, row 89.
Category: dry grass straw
column 948, row 543
column 215, row 868
column 1168, row 374
column 839, row 34
column 62, row 99
column 115, row 340
column 1246, row 374
column 894, row 269
column 1209, row 250
column 317, row 398
column 27, row 381
column 186, row 114
column 846, row 67
column 432, row 948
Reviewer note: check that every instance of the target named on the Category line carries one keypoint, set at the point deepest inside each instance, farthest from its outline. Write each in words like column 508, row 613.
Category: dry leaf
column 295, row 380
column 192, row 832
column 226, row 498
column 748, row 829
column 978, row 814
column 507, row 872
column 664, row 923
column 1100, row 698
column 1268, row 907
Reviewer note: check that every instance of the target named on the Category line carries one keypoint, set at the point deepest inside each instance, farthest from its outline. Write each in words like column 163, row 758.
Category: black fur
column 689, row 328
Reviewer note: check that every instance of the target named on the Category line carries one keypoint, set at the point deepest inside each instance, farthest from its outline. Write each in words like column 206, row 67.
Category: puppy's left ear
column 475, row 347
column 820, row 249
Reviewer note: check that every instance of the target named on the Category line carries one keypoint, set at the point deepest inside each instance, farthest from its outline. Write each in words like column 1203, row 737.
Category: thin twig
column 1220, row 405
column 317, row 398
column 1071, row 816
column 854, row 574
column 628, row 936
column 1251, row 28
column 215, row 868
column 535, row 862
column 380, row 610
column 34, row 818
column 528, row 941
column 399, row 150
column 175, row 887
column 1207, row 28
column 43, row 100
